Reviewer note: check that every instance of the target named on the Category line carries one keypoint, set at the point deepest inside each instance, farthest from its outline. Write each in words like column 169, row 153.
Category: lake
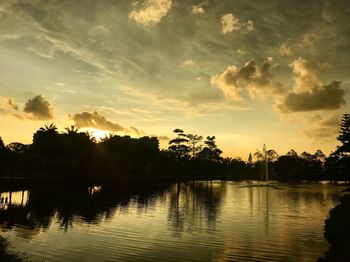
column 187, row 221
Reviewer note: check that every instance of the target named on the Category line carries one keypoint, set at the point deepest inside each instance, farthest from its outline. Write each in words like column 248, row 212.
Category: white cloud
column 309, row 92
column 151, row 12
column 229, row 23
column 257, row 81
column 307, row 74
column 227, row 83
column 197, row 10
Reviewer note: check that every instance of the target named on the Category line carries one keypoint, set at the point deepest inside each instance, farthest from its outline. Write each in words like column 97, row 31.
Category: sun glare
column 98, row 134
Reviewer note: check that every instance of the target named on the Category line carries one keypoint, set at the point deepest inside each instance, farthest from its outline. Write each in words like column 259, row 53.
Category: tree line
column 76, row 154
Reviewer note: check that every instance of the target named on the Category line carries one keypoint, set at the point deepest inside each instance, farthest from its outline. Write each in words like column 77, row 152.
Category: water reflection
column 197, row 220
column 17, row 198
column 195, row 205
column 36, row 207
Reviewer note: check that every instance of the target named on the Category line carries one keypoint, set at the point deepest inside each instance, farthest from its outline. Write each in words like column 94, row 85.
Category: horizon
column 223, row 69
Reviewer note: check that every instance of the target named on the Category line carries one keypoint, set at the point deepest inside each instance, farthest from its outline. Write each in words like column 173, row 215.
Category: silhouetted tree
column 289, row 166
column 117, row 153
column 17, row 148
column 210, row 152
column 178, row 146
column 18, row 157
column 250, row 159
column 194, row 145
column 77, row 148
column 72, row 130
column 344, row 136
column 338, row 163
column 307, row 156
column 235, row 166
column 292, row 153
column 3, row 156
column 319, row 155
column 259, row 156
column 269, row 155
column 46, row 142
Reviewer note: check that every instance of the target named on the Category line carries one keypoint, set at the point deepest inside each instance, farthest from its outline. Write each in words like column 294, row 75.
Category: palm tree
column 46, row 141
column 72, row 130
column 91, row 136
column 49, row 128
column 108, row 137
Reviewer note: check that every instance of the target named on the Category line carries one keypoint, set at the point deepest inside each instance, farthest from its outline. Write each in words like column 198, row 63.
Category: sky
column 247, row 72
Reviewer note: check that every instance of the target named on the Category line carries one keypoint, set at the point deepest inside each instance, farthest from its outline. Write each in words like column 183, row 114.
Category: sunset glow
column 246, row 72
column 96, row 133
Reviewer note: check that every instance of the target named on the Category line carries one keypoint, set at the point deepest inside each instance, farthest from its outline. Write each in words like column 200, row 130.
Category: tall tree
column 344, row 136
column 194, row 145
column 210, row 151
column 178, row 145
column 71, row 130
column 250, row 159
column 267, row 154
column 46, row 141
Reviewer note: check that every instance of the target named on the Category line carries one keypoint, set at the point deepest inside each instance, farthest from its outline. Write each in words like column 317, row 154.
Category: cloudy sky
column 248, row 72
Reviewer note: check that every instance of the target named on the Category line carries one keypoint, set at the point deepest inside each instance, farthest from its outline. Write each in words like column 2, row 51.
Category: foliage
column 344, row 136
column 293, row 166
column 178, row 146
column 76, row 154
column 338, row 163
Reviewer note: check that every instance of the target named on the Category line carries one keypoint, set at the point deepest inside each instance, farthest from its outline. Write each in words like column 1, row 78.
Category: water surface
column 188, row 221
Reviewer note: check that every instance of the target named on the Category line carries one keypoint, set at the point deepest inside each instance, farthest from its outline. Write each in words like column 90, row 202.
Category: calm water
column 201, row 221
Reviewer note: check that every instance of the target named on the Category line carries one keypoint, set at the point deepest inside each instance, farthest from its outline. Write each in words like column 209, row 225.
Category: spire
column 250, row 158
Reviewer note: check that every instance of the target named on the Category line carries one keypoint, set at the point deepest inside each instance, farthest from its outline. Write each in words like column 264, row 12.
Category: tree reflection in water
column 190, row 205
column 193, row 219
column 79, row 203
column 195, row 205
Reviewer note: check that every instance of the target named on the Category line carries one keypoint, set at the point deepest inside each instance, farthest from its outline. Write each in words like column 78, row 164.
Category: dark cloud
column 327, row 97
column 35, row 109
column 309, row 92
column 95, row 120
column 38, row 108
column 258, row 81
